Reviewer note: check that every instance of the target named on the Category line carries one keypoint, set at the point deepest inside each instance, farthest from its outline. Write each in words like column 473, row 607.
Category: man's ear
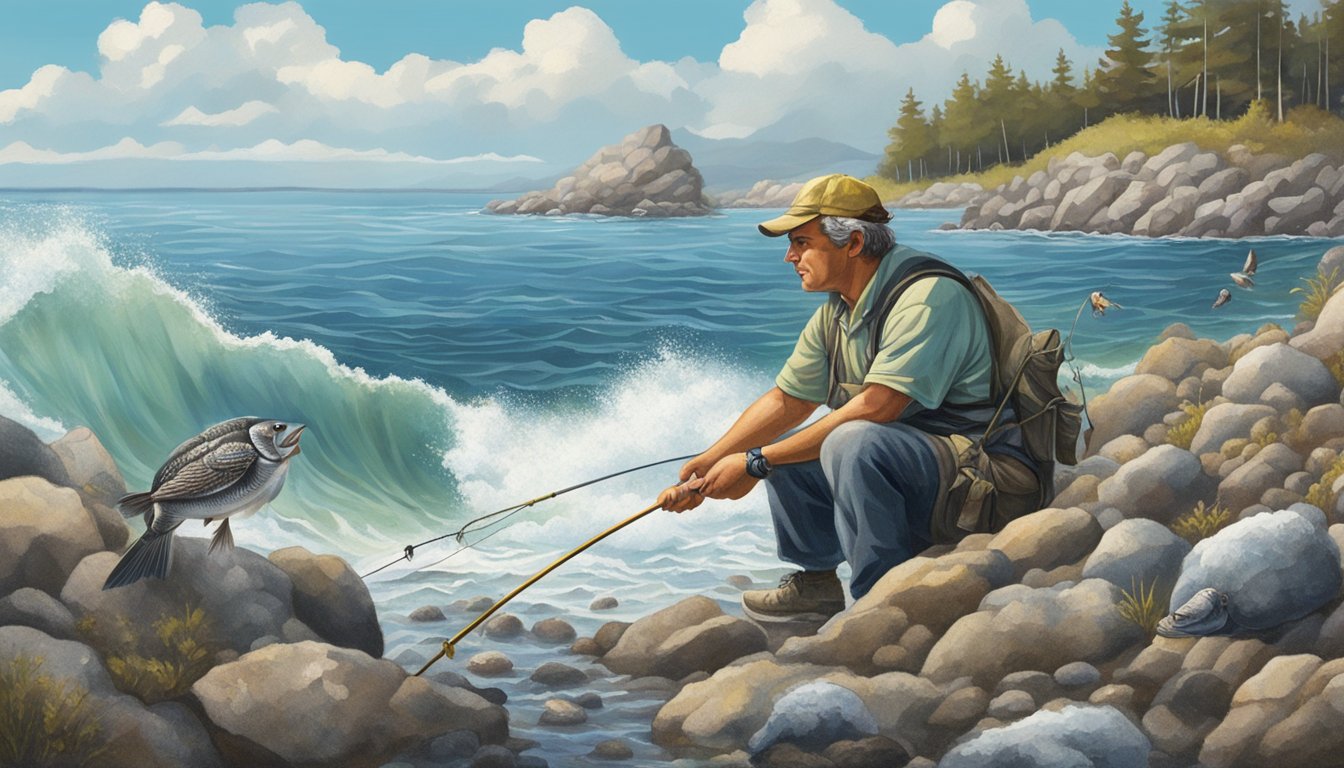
column 855, row 246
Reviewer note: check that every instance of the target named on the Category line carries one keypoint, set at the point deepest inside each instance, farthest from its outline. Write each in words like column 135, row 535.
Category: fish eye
column 278, row 427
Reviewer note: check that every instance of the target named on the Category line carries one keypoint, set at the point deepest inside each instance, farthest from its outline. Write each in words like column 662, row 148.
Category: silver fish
column 1203, row 614
column 1224, row 296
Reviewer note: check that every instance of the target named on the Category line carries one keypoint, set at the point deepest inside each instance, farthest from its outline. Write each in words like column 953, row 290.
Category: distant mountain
column 739, row 163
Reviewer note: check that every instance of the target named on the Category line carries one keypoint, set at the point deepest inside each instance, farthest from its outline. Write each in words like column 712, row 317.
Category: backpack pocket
column 978, row 492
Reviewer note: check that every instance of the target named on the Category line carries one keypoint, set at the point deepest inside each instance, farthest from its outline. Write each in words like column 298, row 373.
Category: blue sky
column 62, row 31
column 443, row 84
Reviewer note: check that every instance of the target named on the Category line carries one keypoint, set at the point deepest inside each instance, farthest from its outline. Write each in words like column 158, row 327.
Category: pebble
column 554, row 631
column 1010, row 705
column 494, row 756
column 561, row 712
column 740, row 581
column 557, row 675
column 588, row 700
column 490, row 663
column 612, row 749
column 427, row 613
column 504, row 626
column 1078, row 674
column 586, row 646
column 603, row 604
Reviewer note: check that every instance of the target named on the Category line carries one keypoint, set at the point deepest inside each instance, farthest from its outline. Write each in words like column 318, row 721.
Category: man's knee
column 847, row 442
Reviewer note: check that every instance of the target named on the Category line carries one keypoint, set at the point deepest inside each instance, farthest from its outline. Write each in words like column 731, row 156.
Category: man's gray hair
column 877, row 238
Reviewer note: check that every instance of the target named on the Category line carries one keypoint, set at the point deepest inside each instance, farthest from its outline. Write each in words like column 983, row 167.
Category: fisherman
column 860, row 483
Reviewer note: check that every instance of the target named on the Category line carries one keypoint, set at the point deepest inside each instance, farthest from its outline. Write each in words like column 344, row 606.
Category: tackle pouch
column 978, row 492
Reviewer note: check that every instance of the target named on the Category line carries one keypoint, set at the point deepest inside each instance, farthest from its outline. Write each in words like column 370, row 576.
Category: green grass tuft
column 43, row 722
column 1141, row 606
column 1316, row 291
column 1201, row 523
column 1183, row 435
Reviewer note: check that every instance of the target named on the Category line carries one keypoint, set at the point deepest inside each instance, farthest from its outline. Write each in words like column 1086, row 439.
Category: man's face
column 821, row 264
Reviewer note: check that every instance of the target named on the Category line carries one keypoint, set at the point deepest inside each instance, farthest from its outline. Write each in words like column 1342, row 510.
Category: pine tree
column 1124, row 80
column 1171, row 32
column 911, row 139
column 999, row 98
column 963, row 121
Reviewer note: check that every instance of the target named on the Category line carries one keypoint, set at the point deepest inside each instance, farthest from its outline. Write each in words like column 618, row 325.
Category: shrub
column 43, row 722
column 1142, row 607
column 1183, row 434
column 186, row 657
column 1201, row 523
column 1316, row 291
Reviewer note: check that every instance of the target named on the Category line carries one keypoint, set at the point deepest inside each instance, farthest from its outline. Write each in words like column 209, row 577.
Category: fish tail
column 133, row 504
column 149, row 557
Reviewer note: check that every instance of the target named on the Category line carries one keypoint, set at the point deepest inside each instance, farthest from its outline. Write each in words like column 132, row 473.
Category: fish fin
column 223, row 538
column 133, row 504
column 149, row 557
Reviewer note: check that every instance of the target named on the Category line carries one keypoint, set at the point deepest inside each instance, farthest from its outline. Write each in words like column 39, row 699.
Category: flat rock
column 489, row 664
column 1074, row 737
column 561, row 712
column 332, row 599
column 553, row 674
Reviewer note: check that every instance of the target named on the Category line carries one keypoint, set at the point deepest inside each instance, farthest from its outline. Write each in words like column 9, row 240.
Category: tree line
column 1203, row 59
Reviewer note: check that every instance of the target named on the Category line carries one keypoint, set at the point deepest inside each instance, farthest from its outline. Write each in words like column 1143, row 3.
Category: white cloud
column 271, row 75
column 304, row 150
column 230, row 118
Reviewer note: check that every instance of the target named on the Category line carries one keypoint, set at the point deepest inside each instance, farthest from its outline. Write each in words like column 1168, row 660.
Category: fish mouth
column 293, row 437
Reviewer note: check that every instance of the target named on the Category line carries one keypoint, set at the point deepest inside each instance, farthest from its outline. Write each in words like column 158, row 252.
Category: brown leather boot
column 813, row 596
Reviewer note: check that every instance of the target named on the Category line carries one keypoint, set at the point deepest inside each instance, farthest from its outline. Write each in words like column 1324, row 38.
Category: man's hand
column 683, row 496
column 728, row 478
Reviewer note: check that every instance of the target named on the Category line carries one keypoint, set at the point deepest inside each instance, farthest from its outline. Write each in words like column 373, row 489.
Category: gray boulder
column 22, row 453
column 1131, row 406
column 1272, row 568
column 1177, row 153
column 128, row 734
column 1135, row 201
column 95, row 475
column 243, row 596
column 331, row 599
column 1137, row 552
column 1082, row 203
column 34, row 608
column 1162, row 484
column 262, row 707
column 1226, row 421
column 1177, row 358
column 1280, row 363
column 1019, row 628
column 44, row 533
column 689, row 636
column 1223, row 183
column 815, row 715
column 1326, row 337
column 1293, row 214
column 1074, row 737
column 1170, row 215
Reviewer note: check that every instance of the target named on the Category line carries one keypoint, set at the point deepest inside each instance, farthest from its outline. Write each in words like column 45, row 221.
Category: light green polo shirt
column 935, row 345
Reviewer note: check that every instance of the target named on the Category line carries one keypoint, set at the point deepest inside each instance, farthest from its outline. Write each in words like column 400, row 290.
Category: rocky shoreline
column 1216, row 464
column 1181, row 191
column 235, row 660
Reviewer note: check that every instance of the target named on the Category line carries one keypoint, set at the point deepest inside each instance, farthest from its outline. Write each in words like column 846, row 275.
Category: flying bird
column 1243, row 278
column 1224, row 296
column 1100, row 304
column 232, row 469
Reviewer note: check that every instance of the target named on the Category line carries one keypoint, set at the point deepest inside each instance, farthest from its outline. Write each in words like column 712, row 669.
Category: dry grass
column 1316, row 291
column 1336, row 365
column 1141, row 606
column 186, row 657
column 1201, row 523
column 1319, row 494
column 1183, row 434
column 1305, row 130
column 43, row 722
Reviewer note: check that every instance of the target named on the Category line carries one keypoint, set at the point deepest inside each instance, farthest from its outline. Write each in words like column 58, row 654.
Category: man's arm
column 728, row 478
column 772, row 414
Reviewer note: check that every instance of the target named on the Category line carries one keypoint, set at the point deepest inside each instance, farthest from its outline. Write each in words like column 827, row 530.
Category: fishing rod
column 449, row 646
column 511, row 510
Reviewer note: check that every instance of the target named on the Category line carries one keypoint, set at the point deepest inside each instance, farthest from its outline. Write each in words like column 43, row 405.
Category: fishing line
column 510, row 511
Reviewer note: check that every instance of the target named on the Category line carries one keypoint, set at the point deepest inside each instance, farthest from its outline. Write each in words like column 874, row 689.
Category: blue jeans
column 867, row 501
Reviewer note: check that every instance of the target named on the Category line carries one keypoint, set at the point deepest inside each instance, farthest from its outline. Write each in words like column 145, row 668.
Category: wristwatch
column 758, row 466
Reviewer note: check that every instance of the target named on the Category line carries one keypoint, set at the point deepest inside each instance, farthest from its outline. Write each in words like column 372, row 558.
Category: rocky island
column 644, row 175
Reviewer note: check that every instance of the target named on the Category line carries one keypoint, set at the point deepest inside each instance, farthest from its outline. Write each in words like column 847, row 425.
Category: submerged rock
column 1074, row 737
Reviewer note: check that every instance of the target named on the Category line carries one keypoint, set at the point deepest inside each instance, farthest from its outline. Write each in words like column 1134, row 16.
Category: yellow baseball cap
column 833, row 195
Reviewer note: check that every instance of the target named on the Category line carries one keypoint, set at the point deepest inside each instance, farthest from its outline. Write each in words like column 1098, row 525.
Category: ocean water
column 451, row 363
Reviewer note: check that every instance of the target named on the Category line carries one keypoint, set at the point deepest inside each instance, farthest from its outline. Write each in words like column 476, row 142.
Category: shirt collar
column 863, row 308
